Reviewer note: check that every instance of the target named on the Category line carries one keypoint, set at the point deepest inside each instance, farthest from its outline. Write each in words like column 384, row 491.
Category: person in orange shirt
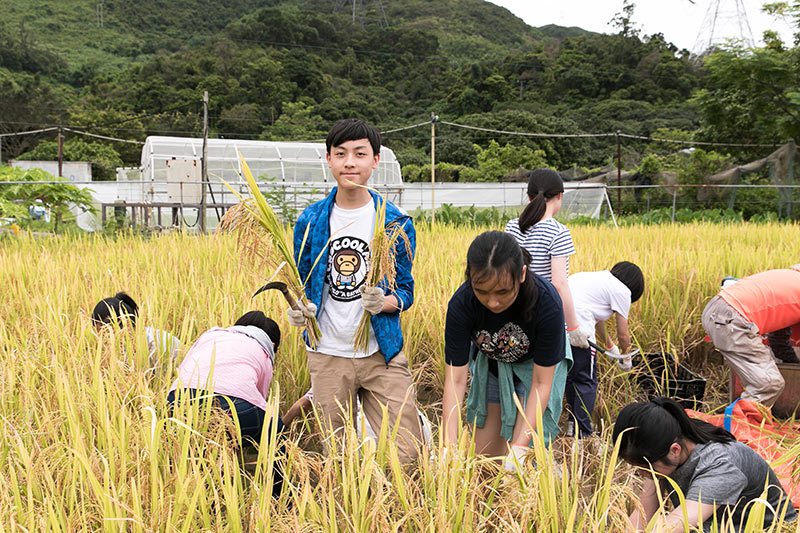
column 767, row 303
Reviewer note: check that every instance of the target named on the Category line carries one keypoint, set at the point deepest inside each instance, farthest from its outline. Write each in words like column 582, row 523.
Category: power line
column 527, row 134
column 702, row 143
column 102, row 136
column 418, row 125
column 426, row 123
column 31, row 132
column 626, row 135
column 145, row 115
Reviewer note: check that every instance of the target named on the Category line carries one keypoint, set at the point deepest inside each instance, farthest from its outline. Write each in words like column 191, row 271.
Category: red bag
column 752, row 424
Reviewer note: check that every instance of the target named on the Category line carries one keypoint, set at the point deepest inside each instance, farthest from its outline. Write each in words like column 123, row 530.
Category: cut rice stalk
column 382, row 264
column 260, row 235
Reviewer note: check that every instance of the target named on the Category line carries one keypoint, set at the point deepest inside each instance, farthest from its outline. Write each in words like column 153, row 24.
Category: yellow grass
column 87, row 442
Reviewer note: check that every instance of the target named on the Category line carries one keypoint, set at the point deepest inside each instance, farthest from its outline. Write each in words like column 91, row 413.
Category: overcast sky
column 679, row 20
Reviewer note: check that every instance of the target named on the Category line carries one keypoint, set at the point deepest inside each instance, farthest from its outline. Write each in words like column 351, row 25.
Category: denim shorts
column 493, row 386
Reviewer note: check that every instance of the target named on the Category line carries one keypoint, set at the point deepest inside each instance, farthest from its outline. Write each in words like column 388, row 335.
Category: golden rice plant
column 261, row 236
column 87, row 441
column 382, row 264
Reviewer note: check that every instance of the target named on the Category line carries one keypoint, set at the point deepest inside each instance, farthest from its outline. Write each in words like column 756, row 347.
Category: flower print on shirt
column 507, row 345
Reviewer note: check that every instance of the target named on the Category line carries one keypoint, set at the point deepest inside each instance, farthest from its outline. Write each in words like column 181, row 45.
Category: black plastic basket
column 659, row 374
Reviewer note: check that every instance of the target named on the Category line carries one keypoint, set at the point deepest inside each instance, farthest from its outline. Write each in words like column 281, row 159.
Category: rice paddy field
column 87, row 442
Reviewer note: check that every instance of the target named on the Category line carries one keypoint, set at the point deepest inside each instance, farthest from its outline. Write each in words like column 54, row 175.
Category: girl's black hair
column 120, row 307
column 543, row 184
column 631, row 276
column 262, row 321
column 496, row 253
column 655, row 425
column 353, row 129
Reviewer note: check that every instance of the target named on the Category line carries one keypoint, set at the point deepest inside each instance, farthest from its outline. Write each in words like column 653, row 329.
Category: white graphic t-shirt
column 346, row 272
column 596, row 296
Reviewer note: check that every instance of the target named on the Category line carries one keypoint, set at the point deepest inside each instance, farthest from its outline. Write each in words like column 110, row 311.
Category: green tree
column 496, row 162
column 58, row 197
column 623, row 20
column 297, row 123
column 102, row 156
column 751, row 95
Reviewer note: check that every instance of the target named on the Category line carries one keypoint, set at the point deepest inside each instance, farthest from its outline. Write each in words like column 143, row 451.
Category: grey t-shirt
column 730, row 475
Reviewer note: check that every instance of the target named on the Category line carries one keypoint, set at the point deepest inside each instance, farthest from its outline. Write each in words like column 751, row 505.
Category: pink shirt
column 241, row 367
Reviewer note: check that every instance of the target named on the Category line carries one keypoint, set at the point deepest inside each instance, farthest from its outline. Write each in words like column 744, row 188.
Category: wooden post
column 434, row 119
column 790, row 175
column 619, row 176
column 60, row 153
column 204, row 164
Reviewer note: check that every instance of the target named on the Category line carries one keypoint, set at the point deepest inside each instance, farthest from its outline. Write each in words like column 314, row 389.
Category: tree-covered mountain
column 287, row 69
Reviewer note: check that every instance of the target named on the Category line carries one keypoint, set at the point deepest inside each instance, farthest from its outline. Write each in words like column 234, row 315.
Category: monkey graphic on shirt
column 346, row 264
column 348, row 260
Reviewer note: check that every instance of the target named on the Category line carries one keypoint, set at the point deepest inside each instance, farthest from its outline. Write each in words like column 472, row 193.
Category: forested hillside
column 287, row 69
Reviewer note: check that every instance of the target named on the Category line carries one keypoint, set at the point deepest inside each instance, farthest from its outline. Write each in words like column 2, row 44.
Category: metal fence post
column 674, row 199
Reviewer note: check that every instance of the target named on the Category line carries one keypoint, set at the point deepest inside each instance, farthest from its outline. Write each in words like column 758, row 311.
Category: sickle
column 278, row 285
column 611, row 355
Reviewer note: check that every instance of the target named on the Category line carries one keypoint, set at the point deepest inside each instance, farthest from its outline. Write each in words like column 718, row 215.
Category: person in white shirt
column 597, row 296
column 123, row 309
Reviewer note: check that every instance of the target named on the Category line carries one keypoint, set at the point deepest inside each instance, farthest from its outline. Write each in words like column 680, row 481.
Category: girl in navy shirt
column 515, row 323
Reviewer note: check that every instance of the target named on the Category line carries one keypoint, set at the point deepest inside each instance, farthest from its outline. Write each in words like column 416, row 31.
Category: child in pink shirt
column 234, row 363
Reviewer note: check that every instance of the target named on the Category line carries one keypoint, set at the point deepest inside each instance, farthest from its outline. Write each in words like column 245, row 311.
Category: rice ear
column 260, row 233
column 382, row 264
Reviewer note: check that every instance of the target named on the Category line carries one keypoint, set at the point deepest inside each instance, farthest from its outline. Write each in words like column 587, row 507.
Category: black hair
column 652, row 427
column 120, row 307
column 352, row 129
column 543, row 184
column 631, row 276
column 262, row 321
column 496, row 253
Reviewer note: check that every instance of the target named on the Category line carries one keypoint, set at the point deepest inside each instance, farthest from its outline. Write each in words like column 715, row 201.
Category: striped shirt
column 544, row 240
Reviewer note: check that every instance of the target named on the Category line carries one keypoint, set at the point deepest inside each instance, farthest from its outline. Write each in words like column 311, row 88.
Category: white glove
column 372, row 299
column 297, row 318
column 625, row 364
column 579, row 337
column 614, row 350
column 515, row 458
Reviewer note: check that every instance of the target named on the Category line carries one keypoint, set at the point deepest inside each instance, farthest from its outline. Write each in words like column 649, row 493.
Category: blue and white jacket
column 386, row 325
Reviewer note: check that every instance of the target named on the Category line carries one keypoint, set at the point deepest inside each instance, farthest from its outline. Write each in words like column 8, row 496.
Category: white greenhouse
column 167, row 189
column 295, row 163
column 298, row 171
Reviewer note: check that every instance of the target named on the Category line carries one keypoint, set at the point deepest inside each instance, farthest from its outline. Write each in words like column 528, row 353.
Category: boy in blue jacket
column 338, row 294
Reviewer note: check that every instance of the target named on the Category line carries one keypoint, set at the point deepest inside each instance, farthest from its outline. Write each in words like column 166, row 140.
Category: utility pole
column 204, row 164
column 790, row 174
column 619, row 175
column 60, row 153
column 434, row 120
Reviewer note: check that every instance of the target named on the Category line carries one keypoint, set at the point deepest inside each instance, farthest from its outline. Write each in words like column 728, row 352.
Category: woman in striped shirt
column 549, row 242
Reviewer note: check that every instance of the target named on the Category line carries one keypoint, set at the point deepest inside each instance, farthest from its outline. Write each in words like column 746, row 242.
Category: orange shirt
column 770, row 300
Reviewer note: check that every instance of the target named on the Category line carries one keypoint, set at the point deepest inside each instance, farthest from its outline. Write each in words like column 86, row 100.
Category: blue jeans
column 251, row 418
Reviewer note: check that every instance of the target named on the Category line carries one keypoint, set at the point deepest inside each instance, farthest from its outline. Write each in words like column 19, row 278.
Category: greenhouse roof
column 289, row 162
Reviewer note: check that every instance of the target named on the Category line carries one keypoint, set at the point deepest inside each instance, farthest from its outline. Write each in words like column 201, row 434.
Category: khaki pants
column 739, row 342
column 337, row 380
